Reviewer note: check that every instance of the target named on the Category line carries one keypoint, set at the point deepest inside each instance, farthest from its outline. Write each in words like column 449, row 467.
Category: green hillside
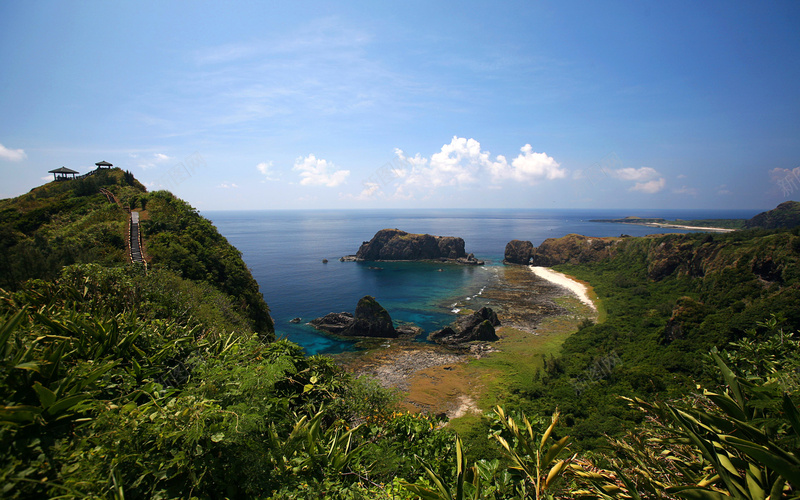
column 785, row 215
column 669, row 300
column 120, row 381
column 72, row 222
column 62, row 223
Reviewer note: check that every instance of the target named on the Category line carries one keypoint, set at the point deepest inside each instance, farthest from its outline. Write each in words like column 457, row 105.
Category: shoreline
column 564, row 281
column 666, row 225
column 453, row 382
column 677, row 226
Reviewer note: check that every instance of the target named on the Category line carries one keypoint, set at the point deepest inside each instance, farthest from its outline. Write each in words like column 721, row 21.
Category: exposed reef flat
column 437, row 378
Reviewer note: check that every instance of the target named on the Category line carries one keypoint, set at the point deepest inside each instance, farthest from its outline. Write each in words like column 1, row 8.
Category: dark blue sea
column 284, row 250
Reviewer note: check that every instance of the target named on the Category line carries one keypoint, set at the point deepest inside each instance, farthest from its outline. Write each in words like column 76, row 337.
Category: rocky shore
column 436, row 378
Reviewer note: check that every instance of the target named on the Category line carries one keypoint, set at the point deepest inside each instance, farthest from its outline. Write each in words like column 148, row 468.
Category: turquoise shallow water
column 284, row 250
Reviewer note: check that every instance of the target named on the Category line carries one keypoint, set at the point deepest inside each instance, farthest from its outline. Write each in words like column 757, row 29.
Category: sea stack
column 518, row 252
column 370, row 320
column 394, row 244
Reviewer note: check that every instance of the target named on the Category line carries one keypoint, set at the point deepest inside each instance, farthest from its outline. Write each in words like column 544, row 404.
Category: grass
column 492, row 378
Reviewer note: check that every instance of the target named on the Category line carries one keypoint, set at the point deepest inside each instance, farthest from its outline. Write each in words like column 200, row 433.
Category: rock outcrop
column 476, row 326
column 394, row 244
column 573, row 249
column 518, row 252
column 370, row 320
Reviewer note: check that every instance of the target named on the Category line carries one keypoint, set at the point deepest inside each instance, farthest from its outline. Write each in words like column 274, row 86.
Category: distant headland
column 718, row 225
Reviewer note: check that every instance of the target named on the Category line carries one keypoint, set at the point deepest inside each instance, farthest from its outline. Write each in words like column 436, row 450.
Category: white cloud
column 685, row 190
column 266, row 170
column 151, row 161
column 650, row 187
column 635, row 174
column 723, row 190
column 319, row 172
column 227, row 185
column 529, row 167
column 463, row 163
column 647, row 179
column 370, row 191
column 12, row 154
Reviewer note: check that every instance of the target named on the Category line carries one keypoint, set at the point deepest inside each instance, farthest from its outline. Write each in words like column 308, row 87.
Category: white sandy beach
column 565, row 281
column 678, row 226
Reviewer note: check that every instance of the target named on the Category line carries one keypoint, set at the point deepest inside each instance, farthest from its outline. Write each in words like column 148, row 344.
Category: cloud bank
column 463, row 163
column 647, row 180
column 12, row 154
column 265, row 167
column 319, row 172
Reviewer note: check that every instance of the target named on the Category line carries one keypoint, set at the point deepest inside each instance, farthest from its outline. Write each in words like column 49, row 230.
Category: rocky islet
column 397, row 245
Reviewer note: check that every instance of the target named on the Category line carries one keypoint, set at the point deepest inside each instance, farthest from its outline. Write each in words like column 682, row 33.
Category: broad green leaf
column 756, row 492
column 790, row 471
column 554, row 472
column 792, row 415
column 728, row 405
column 461, row 469
column 549, row 430
column 8, row 328
column 730, row 379
column 19, row 414
column 46, row 396
column 554, row 450
column 29, row 365
column 726, row 463
column 693, row 493
column 66, row 403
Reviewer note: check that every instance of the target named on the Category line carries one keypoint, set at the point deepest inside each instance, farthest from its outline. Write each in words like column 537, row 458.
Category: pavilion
column 63, row 174
column 103, row 164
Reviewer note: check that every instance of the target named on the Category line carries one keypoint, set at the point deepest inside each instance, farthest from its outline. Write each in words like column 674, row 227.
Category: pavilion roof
column 63, row 170
column 103, row 164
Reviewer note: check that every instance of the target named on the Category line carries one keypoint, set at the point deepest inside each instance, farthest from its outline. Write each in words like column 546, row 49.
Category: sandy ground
column 565, row 281
column 700, row 228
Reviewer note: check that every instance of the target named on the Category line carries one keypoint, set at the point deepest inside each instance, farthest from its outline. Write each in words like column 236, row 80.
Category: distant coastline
column 717, row 225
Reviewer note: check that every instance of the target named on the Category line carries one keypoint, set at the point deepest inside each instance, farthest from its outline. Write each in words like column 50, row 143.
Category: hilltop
column 786, row 215
column 72, row 222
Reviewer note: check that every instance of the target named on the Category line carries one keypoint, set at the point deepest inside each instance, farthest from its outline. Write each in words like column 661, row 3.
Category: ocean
column 285, row 249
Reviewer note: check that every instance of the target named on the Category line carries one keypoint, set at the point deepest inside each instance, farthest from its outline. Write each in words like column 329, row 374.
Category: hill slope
column 785, row 215
column 669, row 299
column 72, row 222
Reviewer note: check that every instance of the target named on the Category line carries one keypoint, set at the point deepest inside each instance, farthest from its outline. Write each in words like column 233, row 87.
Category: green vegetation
column 786, row 215
column 667, row 299
column 62, row 223
column 118, row 381
column 68, row 222
column 178, row 238
column 715, row 223
column 100, row 401
column 721, row 223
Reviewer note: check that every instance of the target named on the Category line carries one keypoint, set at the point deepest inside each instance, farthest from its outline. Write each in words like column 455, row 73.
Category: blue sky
column 261, row 105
